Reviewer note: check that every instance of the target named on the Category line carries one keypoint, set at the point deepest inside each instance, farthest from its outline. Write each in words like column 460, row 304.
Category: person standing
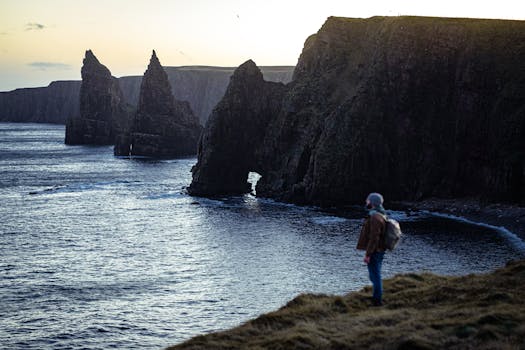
column 371, row 241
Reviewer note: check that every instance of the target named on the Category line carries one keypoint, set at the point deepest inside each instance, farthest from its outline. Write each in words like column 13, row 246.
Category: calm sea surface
column 98, row 252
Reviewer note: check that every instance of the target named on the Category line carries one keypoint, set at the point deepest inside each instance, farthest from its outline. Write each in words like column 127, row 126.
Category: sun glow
column 55, row 33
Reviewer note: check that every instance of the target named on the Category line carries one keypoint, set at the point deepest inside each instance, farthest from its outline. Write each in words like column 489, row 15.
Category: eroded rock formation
column 410, row 106
column 103, row 112
column 163, row 127
column 234, row 132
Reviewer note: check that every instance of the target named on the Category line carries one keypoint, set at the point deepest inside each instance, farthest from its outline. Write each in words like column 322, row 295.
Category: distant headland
column 201, row 86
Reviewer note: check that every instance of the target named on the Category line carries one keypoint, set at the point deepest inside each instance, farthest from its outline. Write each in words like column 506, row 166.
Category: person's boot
column 376, row 302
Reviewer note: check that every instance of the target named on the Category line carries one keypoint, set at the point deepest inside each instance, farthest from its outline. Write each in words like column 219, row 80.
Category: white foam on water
column 81, row 187
column 510, row 236
column 165, row 196
column 327, row 220
column 208, row 201
column 277, row 203
column 133, row 157
column 403, row 216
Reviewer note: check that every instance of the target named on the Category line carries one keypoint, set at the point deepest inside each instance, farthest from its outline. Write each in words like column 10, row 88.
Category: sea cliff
column 52, row 104
column 413, row 107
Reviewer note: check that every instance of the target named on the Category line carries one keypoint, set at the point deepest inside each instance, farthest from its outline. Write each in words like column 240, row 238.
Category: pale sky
column 45, row 40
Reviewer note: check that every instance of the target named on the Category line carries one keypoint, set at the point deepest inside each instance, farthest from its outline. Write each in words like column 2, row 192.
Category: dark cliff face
column 204, row 87
column 412, row 107
column 234, row 131
column 162, row 127
column 103, row 113
column 51, row 104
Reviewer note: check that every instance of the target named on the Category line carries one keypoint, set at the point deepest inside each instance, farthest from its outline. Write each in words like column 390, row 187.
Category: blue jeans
column 374, row 272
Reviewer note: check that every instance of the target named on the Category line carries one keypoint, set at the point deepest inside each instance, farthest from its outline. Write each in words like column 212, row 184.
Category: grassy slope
column 422, row 311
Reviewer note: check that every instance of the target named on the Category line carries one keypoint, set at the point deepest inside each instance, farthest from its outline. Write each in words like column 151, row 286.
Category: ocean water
column 100, row 252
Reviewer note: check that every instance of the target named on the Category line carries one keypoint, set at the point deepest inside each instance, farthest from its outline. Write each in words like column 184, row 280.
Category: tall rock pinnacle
column 163, row 127
column 103, row 113
column 155, row 92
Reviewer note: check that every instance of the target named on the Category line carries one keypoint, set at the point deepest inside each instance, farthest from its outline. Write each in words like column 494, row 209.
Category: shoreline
column 500, row 215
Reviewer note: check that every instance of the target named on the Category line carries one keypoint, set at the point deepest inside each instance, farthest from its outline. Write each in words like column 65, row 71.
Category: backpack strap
column 372, row 212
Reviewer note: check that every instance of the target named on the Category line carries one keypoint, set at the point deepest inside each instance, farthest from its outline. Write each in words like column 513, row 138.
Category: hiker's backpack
column 392, row 233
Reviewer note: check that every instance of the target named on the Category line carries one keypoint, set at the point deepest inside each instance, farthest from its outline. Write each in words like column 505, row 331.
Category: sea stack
column 103, row 113
column 412, row 107
column 233, row 132
column 162, row 127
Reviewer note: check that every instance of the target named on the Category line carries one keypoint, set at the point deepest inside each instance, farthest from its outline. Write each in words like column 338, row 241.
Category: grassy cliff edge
column 422, row 311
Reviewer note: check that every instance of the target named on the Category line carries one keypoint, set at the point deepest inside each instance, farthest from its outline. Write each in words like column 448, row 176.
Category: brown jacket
column 371, row 237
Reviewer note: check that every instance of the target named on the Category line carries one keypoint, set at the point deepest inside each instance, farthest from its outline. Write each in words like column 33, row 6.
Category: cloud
column 49, row 65
column 4, row 33
column 34, row 26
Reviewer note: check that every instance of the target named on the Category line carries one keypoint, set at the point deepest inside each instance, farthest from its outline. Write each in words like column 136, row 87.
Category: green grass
column 422, row 311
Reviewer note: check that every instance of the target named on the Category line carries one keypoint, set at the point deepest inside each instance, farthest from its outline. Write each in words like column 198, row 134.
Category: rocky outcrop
column 163, row 127
column 103, row 113
column 409, row 106
column 234, row 132
column 202, row 86
column 51, row 104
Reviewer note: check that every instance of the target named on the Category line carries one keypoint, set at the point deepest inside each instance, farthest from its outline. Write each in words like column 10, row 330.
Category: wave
column 273, row 202
column 327, row 220
column 165, row 196
column 403, row 216
column 80, row 187
column 510, row 236
column 208, row 201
